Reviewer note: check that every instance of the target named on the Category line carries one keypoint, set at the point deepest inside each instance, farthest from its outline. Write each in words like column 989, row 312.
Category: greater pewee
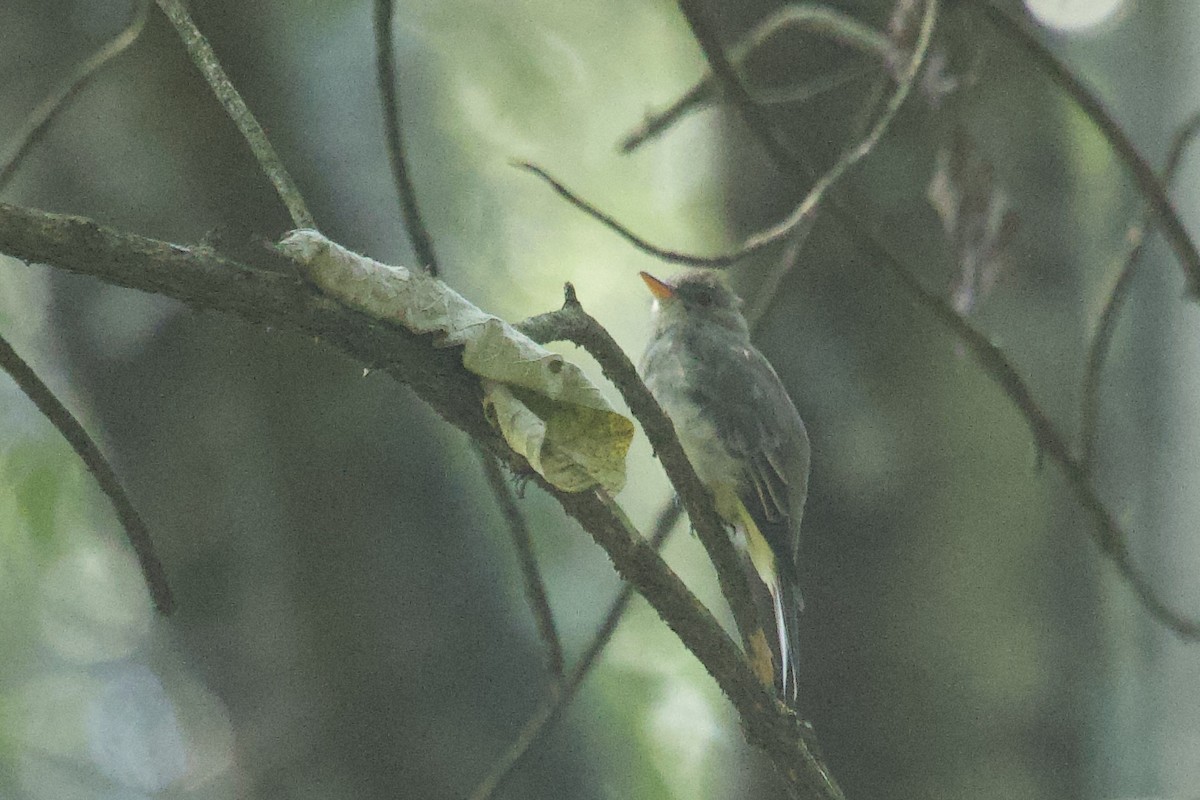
column 742, row 434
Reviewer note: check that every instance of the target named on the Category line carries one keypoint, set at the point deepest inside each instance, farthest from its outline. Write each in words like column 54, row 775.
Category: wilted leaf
column 937, row 81
column 903, row 24
column 544, row 406
column 976, row 216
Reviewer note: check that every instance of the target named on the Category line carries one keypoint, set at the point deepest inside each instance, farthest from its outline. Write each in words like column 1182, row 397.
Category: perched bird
column 742, row 434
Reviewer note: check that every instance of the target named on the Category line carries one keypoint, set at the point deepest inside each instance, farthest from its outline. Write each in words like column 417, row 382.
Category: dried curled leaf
column 543, row 405
column 976, row 215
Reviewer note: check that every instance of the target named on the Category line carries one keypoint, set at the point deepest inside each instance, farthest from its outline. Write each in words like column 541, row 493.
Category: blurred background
column 351, row 622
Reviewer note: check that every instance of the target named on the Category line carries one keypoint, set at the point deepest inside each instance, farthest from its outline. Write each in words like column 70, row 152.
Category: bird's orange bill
column 660, row 289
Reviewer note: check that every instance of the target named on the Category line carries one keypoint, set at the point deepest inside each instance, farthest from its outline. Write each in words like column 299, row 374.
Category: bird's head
column 696, row 297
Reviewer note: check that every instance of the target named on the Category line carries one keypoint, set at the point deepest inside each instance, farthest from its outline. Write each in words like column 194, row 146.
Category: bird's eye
column 704, row 299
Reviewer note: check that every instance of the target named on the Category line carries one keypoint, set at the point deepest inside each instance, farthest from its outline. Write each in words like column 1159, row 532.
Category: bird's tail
column 788, row 603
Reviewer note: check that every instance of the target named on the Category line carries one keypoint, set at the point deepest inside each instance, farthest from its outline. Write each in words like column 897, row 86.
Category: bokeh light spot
column 1073, row 15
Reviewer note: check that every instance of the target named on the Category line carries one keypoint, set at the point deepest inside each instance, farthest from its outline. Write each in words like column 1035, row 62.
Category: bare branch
column 385, row 66
column 551, row 709
column 535, row 587
column 38, row 121
column 1106, row 531
column 1102, row 338
column 607, row 220
column 1148, row 184
column 106, row 477
column 268, row 161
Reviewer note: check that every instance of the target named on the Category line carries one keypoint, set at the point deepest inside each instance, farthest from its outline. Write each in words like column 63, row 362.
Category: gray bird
column 742, row 434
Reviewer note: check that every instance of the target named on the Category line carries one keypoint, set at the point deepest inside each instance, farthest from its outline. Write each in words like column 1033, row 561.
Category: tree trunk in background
column 1150, row 717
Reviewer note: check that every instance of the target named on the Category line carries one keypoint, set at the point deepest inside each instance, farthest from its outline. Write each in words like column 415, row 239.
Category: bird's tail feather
column 788, row 603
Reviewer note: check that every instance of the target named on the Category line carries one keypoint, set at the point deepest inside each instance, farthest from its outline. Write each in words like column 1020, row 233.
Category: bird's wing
column 757, row 421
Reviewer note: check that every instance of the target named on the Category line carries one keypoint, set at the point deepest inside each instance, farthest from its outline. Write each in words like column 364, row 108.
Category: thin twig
column 737, row 94
column 385, row 66
column 823, row 21
column 700, row 94
column 571, row 323
column 552, row 707
column 268, row 160
column 1148, row 184
column 766, row 292
column 816, row 19
column 671, row 256
column 1102, row 338
column 657, row 122
column 38, row 121
column 803, row 218
column 535, row 587
column 804, row 215
column 106, row 477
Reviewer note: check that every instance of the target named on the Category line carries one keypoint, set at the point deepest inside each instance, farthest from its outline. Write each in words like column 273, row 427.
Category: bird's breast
column 694, row 425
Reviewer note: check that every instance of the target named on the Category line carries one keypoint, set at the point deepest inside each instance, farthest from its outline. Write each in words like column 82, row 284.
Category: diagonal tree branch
column 269, row 162
column 1106, row 531
column 106, row 477
column 34, row 128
